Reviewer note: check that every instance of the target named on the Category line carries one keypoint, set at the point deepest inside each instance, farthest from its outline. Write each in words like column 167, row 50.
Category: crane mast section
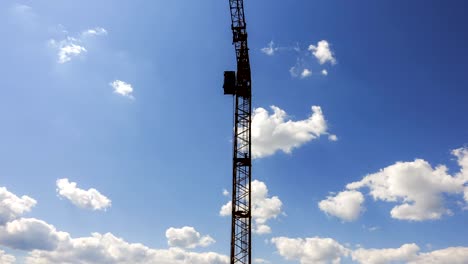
column 238, row 84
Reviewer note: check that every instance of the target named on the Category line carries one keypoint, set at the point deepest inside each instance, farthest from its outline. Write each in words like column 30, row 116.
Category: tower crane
column 238, row 84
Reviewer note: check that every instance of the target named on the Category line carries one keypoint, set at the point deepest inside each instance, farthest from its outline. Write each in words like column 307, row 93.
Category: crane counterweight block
column 229, row 82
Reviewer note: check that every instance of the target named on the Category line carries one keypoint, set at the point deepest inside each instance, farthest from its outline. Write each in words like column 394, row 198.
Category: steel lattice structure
column 238, row 84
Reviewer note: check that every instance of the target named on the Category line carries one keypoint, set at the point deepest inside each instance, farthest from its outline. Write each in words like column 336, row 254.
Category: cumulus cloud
column 270, row 49
column 332, row 137
column 30, row 234
column 345, row 205
column 324, row 72
column 322, row 52
column 314, row 250
column 462, row 159
column 306, row 73
column 187, row 237
column 264, row 207
column 6, row 259
column 226, row 209
column 87, row 199
column 71, row 47
column 410, row 253
column 318, row 250
column 403, row 254
column 452, row 255
column 277, row 132
column 122, row 88
column 45, row 244
column 107, row 248
column 12, row 206
column 418, row 188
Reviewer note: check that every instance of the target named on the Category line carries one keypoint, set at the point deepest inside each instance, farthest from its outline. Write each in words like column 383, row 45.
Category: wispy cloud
column 270, row 49
column 71, row 47
column 97, row 31
column 307, row 59
column 67, row 49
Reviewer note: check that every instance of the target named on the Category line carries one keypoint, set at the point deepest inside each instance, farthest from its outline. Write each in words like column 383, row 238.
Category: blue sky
column 124, row 99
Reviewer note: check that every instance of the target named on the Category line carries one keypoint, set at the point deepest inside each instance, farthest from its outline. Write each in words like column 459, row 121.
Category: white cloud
column 333, row 137
column 187, row 237
column 97, row 31
column 410, row 253
column 466, row 195
column 6, row 259
column 270, row 49
column 107, row 248
column 403, row 254
column 122, row 88
column 322, row 52
column 261, row 261
column 30, row 234
column 318, row 250
column 261, row 229
column 306, row 73
column 71, row 47
column 452, row 255
column 264, row 207
column 310, row 250
column 462, row 159
column 21, row 8
column 87, row 199
column 345, row 205
column 324, row 72
column 12, row 206
column 275, row 132
column 67, row 49
column 226, row 209
column 46, row 245
column 417, row 186
column 372, row 228
column 225, row 192
column 294, row 71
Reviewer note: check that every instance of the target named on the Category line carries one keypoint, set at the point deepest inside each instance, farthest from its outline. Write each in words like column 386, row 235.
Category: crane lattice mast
column 238, row 84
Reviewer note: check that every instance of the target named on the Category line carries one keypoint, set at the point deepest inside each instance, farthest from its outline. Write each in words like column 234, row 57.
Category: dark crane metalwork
column 238, row 84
